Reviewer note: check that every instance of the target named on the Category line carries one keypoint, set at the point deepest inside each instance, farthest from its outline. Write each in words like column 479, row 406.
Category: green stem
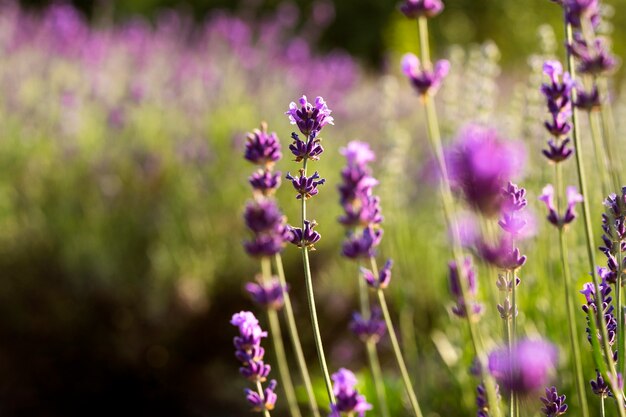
column 422, row 25
column 408, row 386
column 599, row 152
column 612, row 378
column 295, row 339
column 602, row 410
column 434, row 136
column 569, row 303
column 313, row 311
column 279, row 349
column 259, row 389
column 620, row 313
column 372, row 355
column 608, row 126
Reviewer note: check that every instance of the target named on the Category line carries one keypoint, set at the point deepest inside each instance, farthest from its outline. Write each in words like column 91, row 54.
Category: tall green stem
column 608, row 126
column 434, row 137
column 259, row 389
column 599, row 151
column 295, row 339
column 279, row 349
column 408, row 386
column 571, row 318
column 612, row 378
column 311, row 301
column 372, row 355
column 620, row 312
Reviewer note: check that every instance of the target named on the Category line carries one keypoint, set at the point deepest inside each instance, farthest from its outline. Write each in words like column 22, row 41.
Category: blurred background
column 123, row 183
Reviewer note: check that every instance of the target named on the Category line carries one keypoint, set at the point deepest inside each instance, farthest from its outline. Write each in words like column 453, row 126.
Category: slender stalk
column 295, row 339
column 569, row 303
column 608, row 126
column 508, row 338
column 602, row 410
column 434, row 136
column 611, row 379
column 372, row 355
column 279, row 349
column 513, row 282
column 599, row 152
column 408, row 386
column 620, row 312
column 259, row 389
column 311, row 300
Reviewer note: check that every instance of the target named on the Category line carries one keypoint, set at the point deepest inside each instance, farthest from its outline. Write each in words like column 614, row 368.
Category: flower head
column 371, row 329
column 306, row 186
column 266, row 402
column 269, row 295
column 362, row 245
column 262, row 148
column 525, row 368
column 248, row 347
column 348, row 398
column 553, row 403
column 310, row 117
column 424, row 80
column 573, row 198
column 416, row 8
column 358, row 153
column 307, row 237
column 383, row 278
column 265, row 182
column 468, row 274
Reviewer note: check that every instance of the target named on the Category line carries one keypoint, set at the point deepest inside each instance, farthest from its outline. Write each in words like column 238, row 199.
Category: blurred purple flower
column 371, row 329
column 362, row 245
column 262, row 148
column 348, row 398
column 553, row 403
column 382, row 280
column 471, row 284
column 573, row 198
column 424, row 80
column 267, row 402
column 268, row 295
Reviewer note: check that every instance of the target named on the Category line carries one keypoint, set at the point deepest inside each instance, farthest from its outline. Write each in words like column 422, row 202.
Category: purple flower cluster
column 594, row 60
column 309, row 117
column 480, row 163
column 348, row 399
column 590, row 309
column 525, row 368
column 416, row 8
column 307, row 237
column 553, row 403
column 424, row 80
column 269, row 229
column 454, row 279
column 268, row 295
column 482, row 402
column 249, row 352
column 362, row 245
column 614, row 237
column 558, row 99
column 263, row 149
column 573, row 198
column 369, row 329
column 382, row 280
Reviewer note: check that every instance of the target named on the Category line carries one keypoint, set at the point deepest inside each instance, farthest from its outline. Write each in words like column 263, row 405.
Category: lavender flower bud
column 307, row 238
column 573, row 198
column 588, row 100
column 600, row 387
column 269, row 295
column 310, row 118
column 306, row 186
column 267, row 402
column 265, row 182
column 557, row 153
column 262, row 148
column 248, row 347
column 362, row 245
column 454, row 280
column 525, row 368
column 348, row 398
column 424, row 80
column 309, row 149
column 553, row 403
column 416, row 8
column 372, row 329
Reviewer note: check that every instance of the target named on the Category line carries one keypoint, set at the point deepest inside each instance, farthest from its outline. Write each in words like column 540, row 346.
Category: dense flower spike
column 362, row 245
column 416, row 8
column 308, row 237
column 269, row 295
column 607, row 308
column 348, row 399
column 262, row 148
column 424, row 80
column 310, row 117
column 525, row 368
column 600, row 387
column 454, row 280
column 383, row 278
column 372, row 329
column 514, row 201
column 594, row 60
column 553, row 403
column 248, row 347
column 306, row 186
column 480, row 163
column 502, row 254
column 576, row 10
column 614, row 237
column 558, row 99
column 267, row 402
column 573, row 198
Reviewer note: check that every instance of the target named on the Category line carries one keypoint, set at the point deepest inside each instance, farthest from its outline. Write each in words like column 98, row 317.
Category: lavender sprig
column 553, row 404
column 349, row 401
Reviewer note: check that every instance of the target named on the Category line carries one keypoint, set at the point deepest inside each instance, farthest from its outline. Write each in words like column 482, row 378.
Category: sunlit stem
column 611, row 376
column 408, row 386
column 259, row 389
column 295, row 338
column 279, row 349
column 311, row 301
column 569, row 303
column 434, row 137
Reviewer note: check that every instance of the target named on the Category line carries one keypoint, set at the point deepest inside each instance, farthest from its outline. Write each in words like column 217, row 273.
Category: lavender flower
column 265, row 182
column 558, row 99
column 248, row 347
column 267, row 402
column 358, row 153
column 525, row 368
column 262, row 148
column 614, row 237
column 514, row 201
column 553, row 403
column 372, row 329
column 269, row 295
column 588, row 100
column 348, row 399
column 416, row 8
column 309, row 149
column 502, row 254
column 270, row 231
column 482, row 403
column 558, row 152
column 310, row 118
column 382, row 280
column 424, row 80
column 600, row 387
column 306, row 186
column 595, row 59
column 573, row 198
column 308, row 237
column 480, row 163
column 454, row 279
column 362, row 245
column 590, row 309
